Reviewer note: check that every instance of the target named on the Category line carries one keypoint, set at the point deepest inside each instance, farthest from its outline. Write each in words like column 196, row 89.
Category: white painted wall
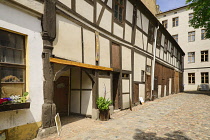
column 128, row 32
column 139, row 64
column 89, row 47
column 118, row 30
column 104, row 85
column 84, row 9
column 126, row 59
column 142, row 91
column 139, row 39
column 98, row 10
column 68, row 43
column 129, row 12
column 145, row 23
column 104, row 52
column 34, row 82
column 106, row 21
column 66, row 2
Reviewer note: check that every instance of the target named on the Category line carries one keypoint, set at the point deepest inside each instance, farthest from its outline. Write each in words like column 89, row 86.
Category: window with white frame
column 203, row 34
column 191, row 36
column 175, row 21
column 204, row 56
column 204, row 77
column 175, row 37
column 191, row 78
column 191, row 57
column 12, row 63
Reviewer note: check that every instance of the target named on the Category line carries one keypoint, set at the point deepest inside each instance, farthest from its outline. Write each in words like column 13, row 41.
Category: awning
column 78, row 64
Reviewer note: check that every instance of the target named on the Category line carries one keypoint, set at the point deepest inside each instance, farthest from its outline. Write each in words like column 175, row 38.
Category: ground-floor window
column 204, row 77
column 12, row 64
column 191, row 78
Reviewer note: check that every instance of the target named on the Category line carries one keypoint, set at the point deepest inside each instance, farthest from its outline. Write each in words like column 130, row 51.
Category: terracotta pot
column 104, row 115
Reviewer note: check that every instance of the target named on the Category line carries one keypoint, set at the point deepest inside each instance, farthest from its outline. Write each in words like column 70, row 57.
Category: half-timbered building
column 89, row 48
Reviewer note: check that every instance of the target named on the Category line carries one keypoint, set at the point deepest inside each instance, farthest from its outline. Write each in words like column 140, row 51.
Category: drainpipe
column 153, row 64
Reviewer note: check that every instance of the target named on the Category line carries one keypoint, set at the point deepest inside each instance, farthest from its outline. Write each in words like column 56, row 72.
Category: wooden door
column 136, row 93
column 148, row 88
column 116, row 55
column 61, row 90
column 116, row 91
column 155, row 93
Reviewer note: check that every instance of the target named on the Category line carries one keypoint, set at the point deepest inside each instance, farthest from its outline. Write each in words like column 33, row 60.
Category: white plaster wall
column 191, row 87
column 34, row 81
column 109, row 3
column 139, row 64
column 84, row 9
column 142, row 91
column 104, row 52
column 149, row 62
column 98, row 10
column 149, row 48
column 161, row 53
column 170, row 85
column 145, row 42
column 68, row 43
column 159, row 91
column 157, row 52
column 164, row 90
column 106, row 20
column 118, row 30
column 138, row 39
column 131, row 86
column 128, row 33
column 126, row 59
column 125, row 85
column 162, row 40
column 145, row 23
column 125, row 101
column 86, row 105
column 89, row 47
column 75, row 101
column 104, row 85
column 138, row 23
column 129, row 12
column 66, row 2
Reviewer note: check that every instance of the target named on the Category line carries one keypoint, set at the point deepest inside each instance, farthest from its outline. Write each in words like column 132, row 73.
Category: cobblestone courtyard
column 184, row 116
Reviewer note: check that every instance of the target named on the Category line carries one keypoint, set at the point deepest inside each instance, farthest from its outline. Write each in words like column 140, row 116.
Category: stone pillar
column 48, row 36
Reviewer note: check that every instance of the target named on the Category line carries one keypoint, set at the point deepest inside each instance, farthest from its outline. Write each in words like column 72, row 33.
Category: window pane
column 9, row 56
column 12, row 75
column 19, row 42
column 18, row 57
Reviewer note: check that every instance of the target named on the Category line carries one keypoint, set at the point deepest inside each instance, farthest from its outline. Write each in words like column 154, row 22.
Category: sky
column 166, row 5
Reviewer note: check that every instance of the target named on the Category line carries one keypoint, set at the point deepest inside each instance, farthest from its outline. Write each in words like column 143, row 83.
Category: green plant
column 103, row 103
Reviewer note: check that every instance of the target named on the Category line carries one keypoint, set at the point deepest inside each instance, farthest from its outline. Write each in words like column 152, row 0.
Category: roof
column 173, row 10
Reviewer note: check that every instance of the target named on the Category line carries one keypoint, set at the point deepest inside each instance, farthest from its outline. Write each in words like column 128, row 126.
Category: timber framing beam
column 78, row 64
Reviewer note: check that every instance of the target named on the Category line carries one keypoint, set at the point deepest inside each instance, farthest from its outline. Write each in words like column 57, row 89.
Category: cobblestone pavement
column 183, row 116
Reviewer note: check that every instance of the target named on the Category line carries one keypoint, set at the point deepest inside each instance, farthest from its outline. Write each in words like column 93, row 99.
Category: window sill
column 9, row 107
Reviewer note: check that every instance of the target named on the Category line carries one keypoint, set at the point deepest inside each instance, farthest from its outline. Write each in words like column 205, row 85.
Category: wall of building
column 196, row 46
column 30, row 27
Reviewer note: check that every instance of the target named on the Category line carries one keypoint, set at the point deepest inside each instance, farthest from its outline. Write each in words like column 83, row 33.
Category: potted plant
column 103, row 106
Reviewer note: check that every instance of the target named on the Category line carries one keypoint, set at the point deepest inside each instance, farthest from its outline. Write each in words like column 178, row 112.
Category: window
column 175, row 21
column 165, row 44
column 148, row 68
column 142, row 76
column 191, row 78
column 165, row 23
column 191, row 36
column 151, row 33
column 190, row 16
column 119, row 10
column 204, row 77
column 203, row 34
column 159, row 35
column 175, row 37
column 12, row 63
column 204, row 56
column 191, row 57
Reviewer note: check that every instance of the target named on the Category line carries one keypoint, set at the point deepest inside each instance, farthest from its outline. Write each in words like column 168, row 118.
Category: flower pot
column 104, row 115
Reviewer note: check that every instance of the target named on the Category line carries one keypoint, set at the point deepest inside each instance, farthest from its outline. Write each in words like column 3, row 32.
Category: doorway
column 116, row 90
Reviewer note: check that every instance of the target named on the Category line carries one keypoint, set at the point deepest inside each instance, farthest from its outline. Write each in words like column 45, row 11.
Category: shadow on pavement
column 176, row 135
column 72, row 118
column 198, row 92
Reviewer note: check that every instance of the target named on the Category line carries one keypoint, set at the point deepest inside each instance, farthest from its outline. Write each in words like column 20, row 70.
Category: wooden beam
column 78, row 64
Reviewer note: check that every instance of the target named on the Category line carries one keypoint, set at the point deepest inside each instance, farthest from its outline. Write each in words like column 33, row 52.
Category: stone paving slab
column 184, row 116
